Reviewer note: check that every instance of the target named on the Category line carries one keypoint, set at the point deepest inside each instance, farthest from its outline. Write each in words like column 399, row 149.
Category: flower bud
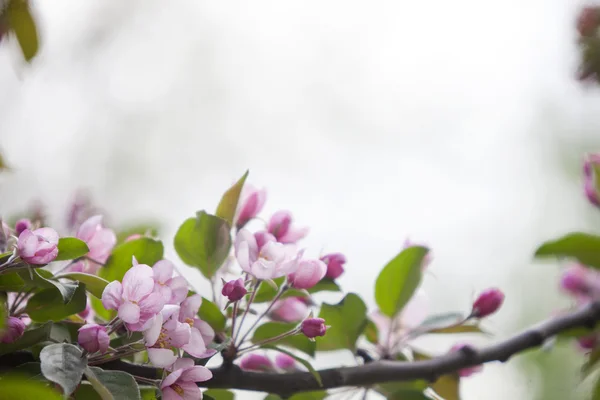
column 256, row 362
column 588, row 342
column 280, row 226
column 262, row 238
column 465, row 372
column 488, row 302
column 253, row 203
column 234, row 290
column 39, row 246
column 93, row 338
column 308, row 274
column 335, row 265
column 12, row 331
column 285, row 362
column 588, row 21
column 290, row 309
column 21, row 225
column 313, row 327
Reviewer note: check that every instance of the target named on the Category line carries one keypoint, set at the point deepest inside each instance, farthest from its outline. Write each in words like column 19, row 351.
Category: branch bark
column 285, row 385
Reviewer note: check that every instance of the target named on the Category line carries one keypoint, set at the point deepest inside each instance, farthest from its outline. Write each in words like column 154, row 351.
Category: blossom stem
column 153, row 382
column 293, row 332
column 115, row 324
column 283, row 289
column 250, row 300
column 234, row 317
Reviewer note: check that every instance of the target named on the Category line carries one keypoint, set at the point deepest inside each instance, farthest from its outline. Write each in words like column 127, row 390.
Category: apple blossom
column 251, row 203
column 313, row 327
column 488, row 302
column 308, row 274
column 335, row 265
column 12, row 331
column 172, row 289
column 181, row 383
column 93, row 338
column 100, row 241
column 201, row 333
column 39, row 246
column 234, row 290
column 290, row 309
column 280, row 226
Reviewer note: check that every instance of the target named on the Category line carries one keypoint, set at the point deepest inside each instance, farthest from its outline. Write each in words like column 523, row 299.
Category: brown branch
column 232, row 377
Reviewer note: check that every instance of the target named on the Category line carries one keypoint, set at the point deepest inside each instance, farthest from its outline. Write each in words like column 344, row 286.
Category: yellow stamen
column 177, row 389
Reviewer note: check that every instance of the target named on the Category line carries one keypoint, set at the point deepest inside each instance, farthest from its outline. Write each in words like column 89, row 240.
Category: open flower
column 164, row 334
column 134, row 299
column 172, row 289
column 38, row 247
column 100, row 241
column 181, row 383
column 290, row 309
column 272, row 261
column 201, row 333
column 280, row 226
column 308, row 274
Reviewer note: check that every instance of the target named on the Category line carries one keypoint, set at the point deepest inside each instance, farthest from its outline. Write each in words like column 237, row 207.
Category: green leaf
column 48, row 305
column 203, row 242
column 43, row 279
column 63, row 364
column 371, row 332
column 347, row 319
column 219, row 394
column 325, row 285
column 19, row 388
column 314, row 395
column 151, row 229
column 438, row 321
column 399, row 279
column 70, row 248
column 583, row 247
column 211, row 314
column 100, row 311
column 272, row 329
column 30, row 337
column 447, row 386
column 228, row 204
column 22, row 24
column 94, row 284
column 302, row 361
column 146, row 251
column 11, row 282
column 31, row 370
column 591, row 362
column 403, row 390
column 113, row 385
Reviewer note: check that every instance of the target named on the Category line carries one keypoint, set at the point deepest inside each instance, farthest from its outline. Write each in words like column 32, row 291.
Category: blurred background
column 457, row 124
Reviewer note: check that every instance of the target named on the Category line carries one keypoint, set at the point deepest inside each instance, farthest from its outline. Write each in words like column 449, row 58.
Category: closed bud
column 588, row 342
column 21, row 225
column 234, row 290
column 335, row 265
column 488, row 302
column 12, row 331
column 93, row 338
column 39, row 246
column 308, row 274
column 252, row 203
column 256, row 362
column 313, row 327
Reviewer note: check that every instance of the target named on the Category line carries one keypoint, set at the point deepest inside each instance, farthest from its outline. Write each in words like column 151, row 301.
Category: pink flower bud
column 580, row 281
column 234, row 290
column 21, row 225
column 285, row 362
column 280, row 226
column 256, row 362
column 38, row 247
column 290, row 309
column 488, row 302
column 93, row 338
column 99, row 239
column 308, row 274
column 263, row 238
column 251, row 205
column 313, row 327
column 335, row 265
column 465, row 372
column 12, row 331
column 588, row 342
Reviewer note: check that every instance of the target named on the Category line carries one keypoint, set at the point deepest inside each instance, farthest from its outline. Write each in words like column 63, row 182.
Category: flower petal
column 161, row 358
column 190, row 307
column 151, row 334
column 179, row 289
column 170, row 394
column 183, row 363
column 112, row 295
column 49, row 234
column 129, row 312
column 89, row 227
column 196, row 345
column 138, row 282
column 163, row 271
column 196, row 374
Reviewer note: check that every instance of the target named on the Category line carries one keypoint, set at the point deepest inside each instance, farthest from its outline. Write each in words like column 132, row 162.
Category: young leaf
column 48, row 305
column 347, row 320
column 70, row 248
column 203, row 242
column 94, row 284
column 211, row 314
column 583, row 247
column 229, row 201
column 63, row 364
column 100, row 311
column 399, row 279
column 41, row 278
column 151, row 228
column 146, row 251
column 21, row 22
column 272, row 329
column 11, row 282
column 325, row 285
column 19, row 388
column 219, row 394
column 30, row 337
column 447, row 386
column 302, row 361
column 113, row 385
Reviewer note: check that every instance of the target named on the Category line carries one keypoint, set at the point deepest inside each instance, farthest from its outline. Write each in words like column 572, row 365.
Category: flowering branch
column 375, row 372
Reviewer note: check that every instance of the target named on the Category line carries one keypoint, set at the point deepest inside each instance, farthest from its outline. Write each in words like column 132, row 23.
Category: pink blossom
column 93, row 338
column 21, row 225
column 100, row 241
column 313, row 327
column 285, row 362
column 262, row 238
column 588, row 342
column 234, row 290
column 88, row 313
column 488, row 302
column 165, row 333
column 256, row 362
column 172, row 289
column 581, row 281
column 201, row 332
column 13, row 330
column 39, row 246
column 308, row 274
column 466, row 372
column 272, row 261
column 280, row 226
column 335, row 265
column 135, row 298
column 290, row 309
column 181, row 383
column 251, row 203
